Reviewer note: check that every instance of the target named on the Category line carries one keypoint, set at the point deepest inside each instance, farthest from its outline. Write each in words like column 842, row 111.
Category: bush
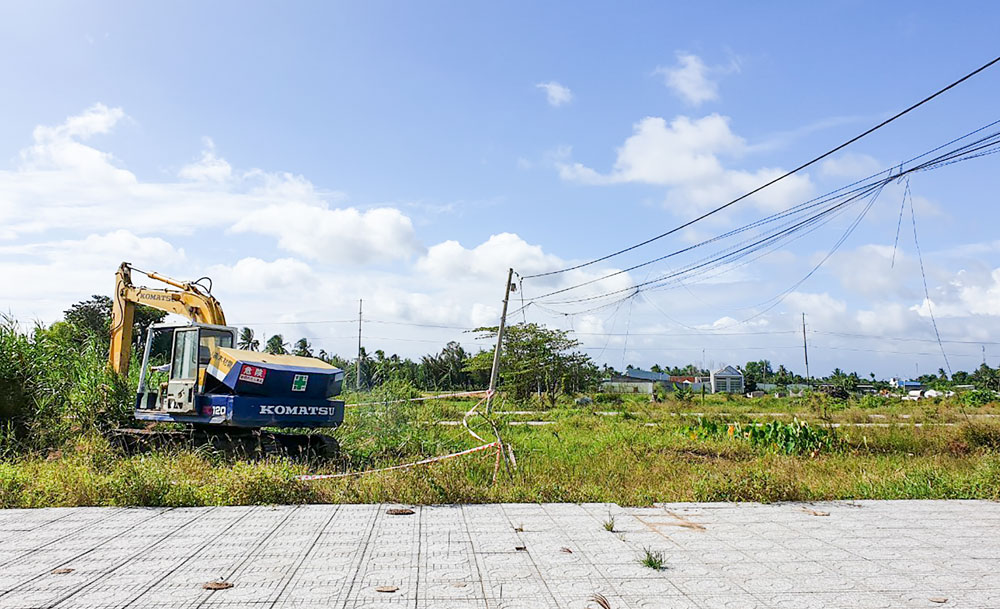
column 872, row 400
column 982, row 435
column 978, row 397
column 608, row 398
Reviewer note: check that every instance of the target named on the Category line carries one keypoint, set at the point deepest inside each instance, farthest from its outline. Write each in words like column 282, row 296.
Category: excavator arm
column 189, row 299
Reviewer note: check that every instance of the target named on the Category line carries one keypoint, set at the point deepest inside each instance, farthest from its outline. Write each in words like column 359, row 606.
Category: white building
column 727, row 380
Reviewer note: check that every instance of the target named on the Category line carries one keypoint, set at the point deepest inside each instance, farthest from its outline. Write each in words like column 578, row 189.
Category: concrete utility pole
column 358, row 383
column 496, row 352
column 805, row 348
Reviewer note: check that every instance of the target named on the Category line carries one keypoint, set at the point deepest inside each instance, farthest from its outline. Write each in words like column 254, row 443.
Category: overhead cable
column 777, row 179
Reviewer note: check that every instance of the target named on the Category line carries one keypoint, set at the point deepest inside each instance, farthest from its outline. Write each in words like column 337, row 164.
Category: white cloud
column 43, row 278
column 62, row 183
column 336, row 235
column 252, row 275
column 209, row 168
column 281, row 250
column 555, row 93
column 107, row 249
column 685, row 154
column 682, row 151
column 489, row 260
column 730, row 323
column 884, row 319
column 689, row 79
column 729, row 184
column 820, row 308
column 968, row 293
column 883, row 278
column 850, row 165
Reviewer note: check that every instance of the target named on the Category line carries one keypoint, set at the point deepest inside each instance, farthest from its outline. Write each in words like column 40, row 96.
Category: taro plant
column 793, row 438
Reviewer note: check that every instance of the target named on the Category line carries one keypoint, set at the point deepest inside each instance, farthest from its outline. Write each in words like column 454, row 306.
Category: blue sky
column 409, row 153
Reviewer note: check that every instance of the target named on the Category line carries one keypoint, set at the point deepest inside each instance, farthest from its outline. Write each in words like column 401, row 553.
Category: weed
column 981, row 435
column 609, row 524
column 653, row 559
column 759, row 485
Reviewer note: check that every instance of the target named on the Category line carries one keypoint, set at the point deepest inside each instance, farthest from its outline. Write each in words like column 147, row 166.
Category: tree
column 276, row 345
column 756, row 372
column 985, row 378
column 302, row 348
column 247, row 342
column 92, row 318
column 446, row 370
column 536, row 359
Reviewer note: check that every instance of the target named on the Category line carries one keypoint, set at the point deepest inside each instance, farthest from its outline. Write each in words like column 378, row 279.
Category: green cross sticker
column 299, row 382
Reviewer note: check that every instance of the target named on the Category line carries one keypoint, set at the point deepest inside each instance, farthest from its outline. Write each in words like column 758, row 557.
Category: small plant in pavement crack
column 609, row 524
column 653, row 560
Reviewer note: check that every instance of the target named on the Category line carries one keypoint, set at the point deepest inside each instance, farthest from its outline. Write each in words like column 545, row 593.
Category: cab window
column 210, row 339
column 185, row 360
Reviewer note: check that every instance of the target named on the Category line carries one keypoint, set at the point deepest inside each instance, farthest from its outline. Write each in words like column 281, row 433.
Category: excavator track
column 237, row 443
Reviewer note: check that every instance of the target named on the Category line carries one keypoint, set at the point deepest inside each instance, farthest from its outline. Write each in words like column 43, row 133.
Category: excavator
column 192, row 374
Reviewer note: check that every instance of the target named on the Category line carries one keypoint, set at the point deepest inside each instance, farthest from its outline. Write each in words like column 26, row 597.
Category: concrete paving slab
column 907, row 554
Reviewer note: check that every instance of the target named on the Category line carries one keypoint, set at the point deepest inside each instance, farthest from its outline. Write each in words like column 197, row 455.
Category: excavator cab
column 171, row 380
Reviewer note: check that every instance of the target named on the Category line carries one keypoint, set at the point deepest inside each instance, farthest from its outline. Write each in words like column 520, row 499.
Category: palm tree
column 302, row 348
column 276, row 345
column 247, row 342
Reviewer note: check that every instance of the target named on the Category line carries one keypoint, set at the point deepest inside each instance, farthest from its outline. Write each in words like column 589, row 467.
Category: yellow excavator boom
column 189, row 300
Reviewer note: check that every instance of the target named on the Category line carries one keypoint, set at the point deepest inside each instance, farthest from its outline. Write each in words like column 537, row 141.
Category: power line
column 930, row 353
column 923, row 275
column 777, row 179
column 782, row 232
column 901, row 338
column 698, row 334
column 307, row 322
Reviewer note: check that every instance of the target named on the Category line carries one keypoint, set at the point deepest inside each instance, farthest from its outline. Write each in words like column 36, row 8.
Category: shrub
column 978, row 397
column 872, row 400
column 608, row 398
column 981, row 435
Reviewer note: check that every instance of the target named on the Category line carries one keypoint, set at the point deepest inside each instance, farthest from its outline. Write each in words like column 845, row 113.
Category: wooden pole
column 496, row 351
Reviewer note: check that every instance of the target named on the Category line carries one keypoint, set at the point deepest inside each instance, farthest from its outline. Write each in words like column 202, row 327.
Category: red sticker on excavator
column 253, row 374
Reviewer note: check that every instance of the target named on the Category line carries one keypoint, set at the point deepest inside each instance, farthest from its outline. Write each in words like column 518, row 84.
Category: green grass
column 583, row 457
column 609, row 524
column 57, row 405
column 652, row 559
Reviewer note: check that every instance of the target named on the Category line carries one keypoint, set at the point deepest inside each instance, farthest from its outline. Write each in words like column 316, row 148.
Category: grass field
column 633, row 453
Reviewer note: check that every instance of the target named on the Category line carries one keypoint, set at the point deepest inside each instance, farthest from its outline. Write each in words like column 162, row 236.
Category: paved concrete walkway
column 849, row 555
